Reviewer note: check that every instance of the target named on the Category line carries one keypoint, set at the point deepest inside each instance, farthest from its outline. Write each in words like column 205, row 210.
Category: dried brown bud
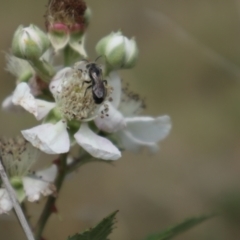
column 68, row 12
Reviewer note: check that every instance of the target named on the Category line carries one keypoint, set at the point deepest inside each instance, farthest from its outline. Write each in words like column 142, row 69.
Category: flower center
column 18, row 156
column 75, row 99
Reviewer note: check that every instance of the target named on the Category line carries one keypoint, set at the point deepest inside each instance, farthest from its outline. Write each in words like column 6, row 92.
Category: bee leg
column 87, row 89
column 86, row 82
column 105, row 82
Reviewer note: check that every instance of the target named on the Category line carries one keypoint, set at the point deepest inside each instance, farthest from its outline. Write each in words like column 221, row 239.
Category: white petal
column 131, row 104
column 97, row 146
column 50, row 138
column 56, row 83
column 5, row 201
column 42, row 183
column 23, row 97
column 43, row 108
column 129, row 142
column 8, row 105
column 115, row 82
column 149, row 129
column 110, row 121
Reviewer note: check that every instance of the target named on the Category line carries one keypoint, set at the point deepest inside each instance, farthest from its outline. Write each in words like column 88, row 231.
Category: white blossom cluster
column 79, row 102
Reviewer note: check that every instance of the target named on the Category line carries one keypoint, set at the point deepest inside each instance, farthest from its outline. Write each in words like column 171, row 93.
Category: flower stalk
column 47, row 210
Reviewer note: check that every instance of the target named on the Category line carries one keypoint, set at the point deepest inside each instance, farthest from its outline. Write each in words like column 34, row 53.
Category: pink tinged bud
column 58, row 34
column 77, row 28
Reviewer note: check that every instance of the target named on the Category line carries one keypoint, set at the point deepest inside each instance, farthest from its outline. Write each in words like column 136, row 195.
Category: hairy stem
column 48, row 208
column 15, row 203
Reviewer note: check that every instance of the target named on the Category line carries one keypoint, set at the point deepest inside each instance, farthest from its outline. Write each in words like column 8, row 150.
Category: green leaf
column 173, row 231
column 100, row 232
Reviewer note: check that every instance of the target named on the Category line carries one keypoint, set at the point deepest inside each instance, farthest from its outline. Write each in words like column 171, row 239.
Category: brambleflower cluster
column 78, row 102
column 71, row 114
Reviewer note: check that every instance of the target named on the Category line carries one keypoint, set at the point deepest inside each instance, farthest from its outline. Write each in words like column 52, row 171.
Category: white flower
column 18, row 156
column 54, row 138
column 138, row 130
column 40, row 183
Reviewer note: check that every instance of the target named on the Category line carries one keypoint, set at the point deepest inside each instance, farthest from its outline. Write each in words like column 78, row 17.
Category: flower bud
column 58, row 34
column 66, row 22
column 120, row 52
column 29, row 43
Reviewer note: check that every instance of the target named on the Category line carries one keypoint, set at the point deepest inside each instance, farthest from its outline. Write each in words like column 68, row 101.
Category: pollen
column 75, row 100
column 18, row 155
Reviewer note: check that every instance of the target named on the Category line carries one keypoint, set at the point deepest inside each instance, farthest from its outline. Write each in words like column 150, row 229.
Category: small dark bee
column 99, row 91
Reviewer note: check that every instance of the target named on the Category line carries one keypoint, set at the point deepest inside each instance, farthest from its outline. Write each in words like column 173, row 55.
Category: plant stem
column 48, row 208
column 15, row 203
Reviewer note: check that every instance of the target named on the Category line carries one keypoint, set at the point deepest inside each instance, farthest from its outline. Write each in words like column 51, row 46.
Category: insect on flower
column 97, row 84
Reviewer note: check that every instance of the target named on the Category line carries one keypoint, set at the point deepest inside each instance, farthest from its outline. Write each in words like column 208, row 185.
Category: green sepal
column 100, row 232
column 17, row 184
column 53, row 116
column 73, row 127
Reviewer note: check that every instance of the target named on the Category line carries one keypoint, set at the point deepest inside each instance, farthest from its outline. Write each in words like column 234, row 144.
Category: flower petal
column 149, row 129
column 50, row 138
column 43, row 108
column 109, row 119
column 128, row 142
column 23, row 97
column 42, row 183
column 97, row 146
column 115, row 82
column 5, row 201
column 131, row 104
column 8, row 105
column 58, row 79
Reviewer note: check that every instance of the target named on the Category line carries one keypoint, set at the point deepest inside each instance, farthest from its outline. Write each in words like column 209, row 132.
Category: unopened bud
column 58, row 34
column 66, row 22
column 120, row 52
column 29, row 43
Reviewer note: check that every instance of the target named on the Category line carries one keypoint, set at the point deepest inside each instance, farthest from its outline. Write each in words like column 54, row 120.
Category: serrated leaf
column 173, row 231
column 100, row 232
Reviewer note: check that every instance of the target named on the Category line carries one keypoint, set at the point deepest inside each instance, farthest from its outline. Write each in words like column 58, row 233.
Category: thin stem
column 185, row 37
column 16, row 205
column 48, row 208
column 81, row 160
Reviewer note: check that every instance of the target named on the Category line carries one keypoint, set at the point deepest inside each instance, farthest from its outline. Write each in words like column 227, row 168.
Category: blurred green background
column 189, row 68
